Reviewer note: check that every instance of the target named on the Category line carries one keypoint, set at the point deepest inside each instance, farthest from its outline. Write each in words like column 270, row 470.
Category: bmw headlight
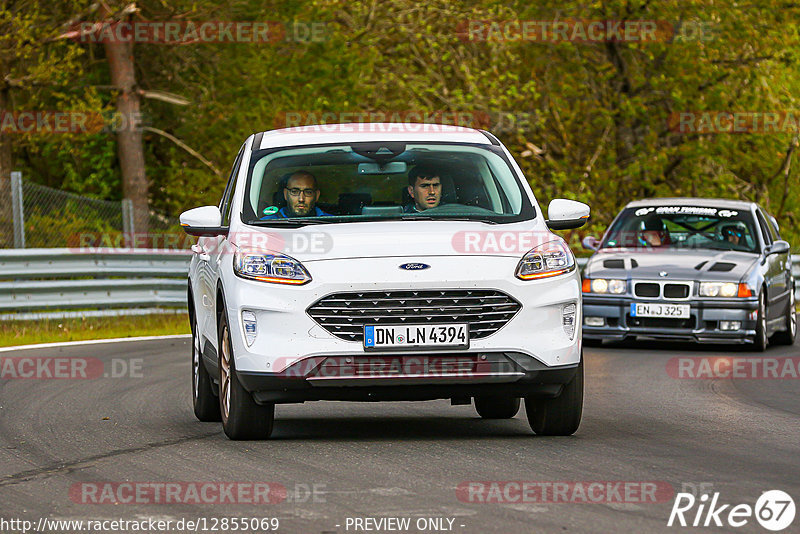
column 275, row 268
column 603, row 286
column 546, row 260
column 719, row 289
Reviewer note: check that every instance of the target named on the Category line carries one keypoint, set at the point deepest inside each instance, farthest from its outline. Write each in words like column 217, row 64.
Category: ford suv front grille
column 345, row 314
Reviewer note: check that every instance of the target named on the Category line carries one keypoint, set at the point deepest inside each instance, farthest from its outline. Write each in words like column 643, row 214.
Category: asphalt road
column 406, row 460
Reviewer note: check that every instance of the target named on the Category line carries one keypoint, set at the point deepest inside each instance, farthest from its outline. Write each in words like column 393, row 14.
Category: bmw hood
column 693, row 264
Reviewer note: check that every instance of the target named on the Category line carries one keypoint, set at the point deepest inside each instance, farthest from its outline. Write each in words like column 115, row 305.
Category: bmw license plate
column 416, row 336
column 670, row 311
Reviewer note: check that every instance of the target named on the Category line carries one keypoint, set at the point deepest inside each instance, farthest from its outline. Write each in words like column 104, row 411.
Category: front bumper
column 408, row 377
column 702, row 327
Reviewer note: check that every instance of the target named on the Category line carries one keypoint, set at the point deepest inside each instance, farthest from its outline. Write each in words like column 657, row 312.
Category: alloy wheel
column 225, row 373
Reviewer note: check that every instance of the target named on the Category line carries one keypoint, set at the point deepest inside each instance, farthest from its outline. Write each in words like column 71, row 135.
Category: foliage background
column 586, row 120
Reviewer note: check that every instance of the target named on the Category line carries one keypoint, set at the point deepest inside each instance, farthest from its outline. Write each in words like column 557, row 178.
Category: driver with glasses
column 301, row 194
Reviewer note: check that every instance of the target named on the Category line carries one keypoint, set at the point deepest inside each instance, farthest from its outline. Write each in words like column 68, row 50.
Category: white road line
column 93, row 342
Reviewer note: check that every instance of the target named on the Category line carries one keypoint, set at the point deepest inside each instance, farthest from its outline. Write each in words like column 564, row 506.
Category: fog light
column 568, row 319
column 249, row 322
column 594, row 321
column 730, row 325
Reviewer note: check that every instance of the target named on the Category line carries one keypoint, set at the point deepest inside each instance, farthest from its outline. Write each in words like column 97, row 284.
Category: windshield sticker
column 685, row 210
column 270, row 210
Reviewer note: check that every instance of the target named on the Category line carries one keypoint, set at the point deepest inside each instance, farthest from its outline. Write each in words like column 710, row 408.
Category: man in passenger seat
column 424, row 188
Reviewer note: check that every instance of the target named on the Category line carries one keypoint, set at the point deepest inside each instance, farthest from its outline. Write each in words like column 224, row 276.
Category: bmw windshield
column 683, row 227
column 383, row 181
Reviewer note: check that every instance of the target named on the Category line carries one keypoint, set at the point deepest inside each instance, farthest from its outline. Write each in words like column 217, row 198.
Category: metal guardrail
column 39, row 283
column 34, row 283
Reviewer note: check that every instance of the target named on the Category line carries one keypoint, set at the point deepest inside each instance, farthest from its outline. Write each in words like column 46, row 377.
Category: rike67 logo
column 774, row 510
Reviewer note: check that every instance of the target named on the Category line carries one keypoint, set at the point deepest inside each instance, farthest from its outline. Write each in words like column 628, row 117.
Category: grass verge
column 56, row 330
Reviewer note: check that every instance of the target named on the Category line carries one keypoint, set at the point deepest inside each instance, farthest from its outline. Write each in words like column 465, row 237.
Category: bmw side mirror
column 590, row 243
column 204, row 221
column 778, row 247
column 565, row 214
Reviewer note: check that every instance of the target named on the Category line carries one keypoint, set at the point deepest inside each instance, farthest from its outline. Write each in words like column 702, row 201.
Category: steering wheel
column 457, row 209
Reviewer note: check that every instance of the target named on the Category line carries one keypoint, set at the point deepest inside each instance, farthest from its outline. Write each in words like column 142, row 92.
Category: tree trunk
column 6, row 166
column 129, row 134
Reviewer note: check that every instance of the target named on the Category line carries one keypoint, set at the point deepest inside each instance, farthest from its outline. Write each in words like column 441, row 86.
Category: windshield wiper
column 461, row 218
column 293, row 223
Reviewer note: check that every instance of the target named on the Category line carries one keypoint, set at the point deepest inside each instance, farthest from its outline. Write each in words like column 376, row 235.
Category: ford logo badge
column 415, row 266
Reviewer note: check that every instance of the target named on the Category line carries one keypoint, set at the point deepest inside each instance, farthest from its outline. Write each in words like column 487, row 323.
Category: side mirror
column 203, row 221
column 778, row 247
column 590, row 243
column 566, row 214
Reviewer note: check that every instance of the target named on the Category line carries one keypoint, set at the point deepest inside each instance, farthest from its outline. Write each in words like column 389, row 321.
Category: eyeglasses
column 295, row 192
column 737, row 233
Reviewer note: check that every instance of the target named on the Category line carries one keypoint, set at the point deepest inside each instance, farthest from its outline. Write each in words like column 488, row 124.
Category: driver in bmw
column 425, row 189
column 733, row 234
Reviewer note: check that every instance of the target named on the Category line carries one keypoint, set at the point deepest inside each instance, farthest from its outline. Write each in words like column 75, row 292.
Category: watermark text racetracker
column 563, row 492
column 287, row 242
column 199, row 492
column 68, row 368
column 52, row 122
column 499, row 241
column 584, row 31
column 735, row 122
column 183, row 32
column 733, row 367
column 496, row 121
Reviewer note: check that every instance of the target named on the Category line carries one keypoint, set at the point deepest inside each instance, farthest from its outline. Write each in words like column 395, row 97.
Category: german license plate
column 416, row 336
column 671, row 311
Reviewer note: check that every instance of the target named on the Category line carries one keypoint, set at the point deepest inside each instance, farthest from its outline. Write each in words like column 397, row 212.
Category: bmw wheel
column 788, row 336
column 761, row 341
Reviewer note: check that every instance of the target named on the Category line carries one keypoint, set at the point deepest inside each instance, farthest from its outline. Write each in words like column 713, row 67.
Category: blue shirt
column 281, row 214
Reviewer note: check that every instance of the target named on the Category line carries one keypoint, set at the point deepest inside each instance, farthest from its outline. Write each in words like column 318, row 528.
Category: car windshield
column 683, row 227
column 380, row 181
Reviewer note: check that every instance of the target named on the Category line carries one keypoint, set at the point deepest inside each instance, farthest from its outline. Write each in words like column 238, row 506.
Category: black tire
column 497, row 407
column 242, row 418
column 760, row 342
column 788, row 336
column 204, row 402
column 560, row 416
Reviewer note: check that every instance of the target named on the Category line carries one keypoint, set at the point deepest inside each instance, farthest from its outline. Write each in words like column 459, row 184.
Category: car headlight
column 603, row 286
column 724, row 289
column 546, row 260
column 275, row 268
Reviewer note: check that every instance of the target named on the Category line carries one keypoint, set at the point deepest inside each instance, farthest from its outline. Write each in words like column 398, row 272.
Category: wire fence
column 36, row 216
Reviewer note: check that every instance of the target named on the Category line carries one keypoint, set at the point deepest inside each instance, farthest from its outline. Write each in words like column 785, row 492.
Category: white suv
column 370, row 262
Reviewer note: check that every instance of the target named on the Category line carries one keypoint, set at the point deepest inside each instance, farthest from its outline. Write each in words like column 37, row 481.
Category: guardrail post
column 17, row 208
column 127, row 222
